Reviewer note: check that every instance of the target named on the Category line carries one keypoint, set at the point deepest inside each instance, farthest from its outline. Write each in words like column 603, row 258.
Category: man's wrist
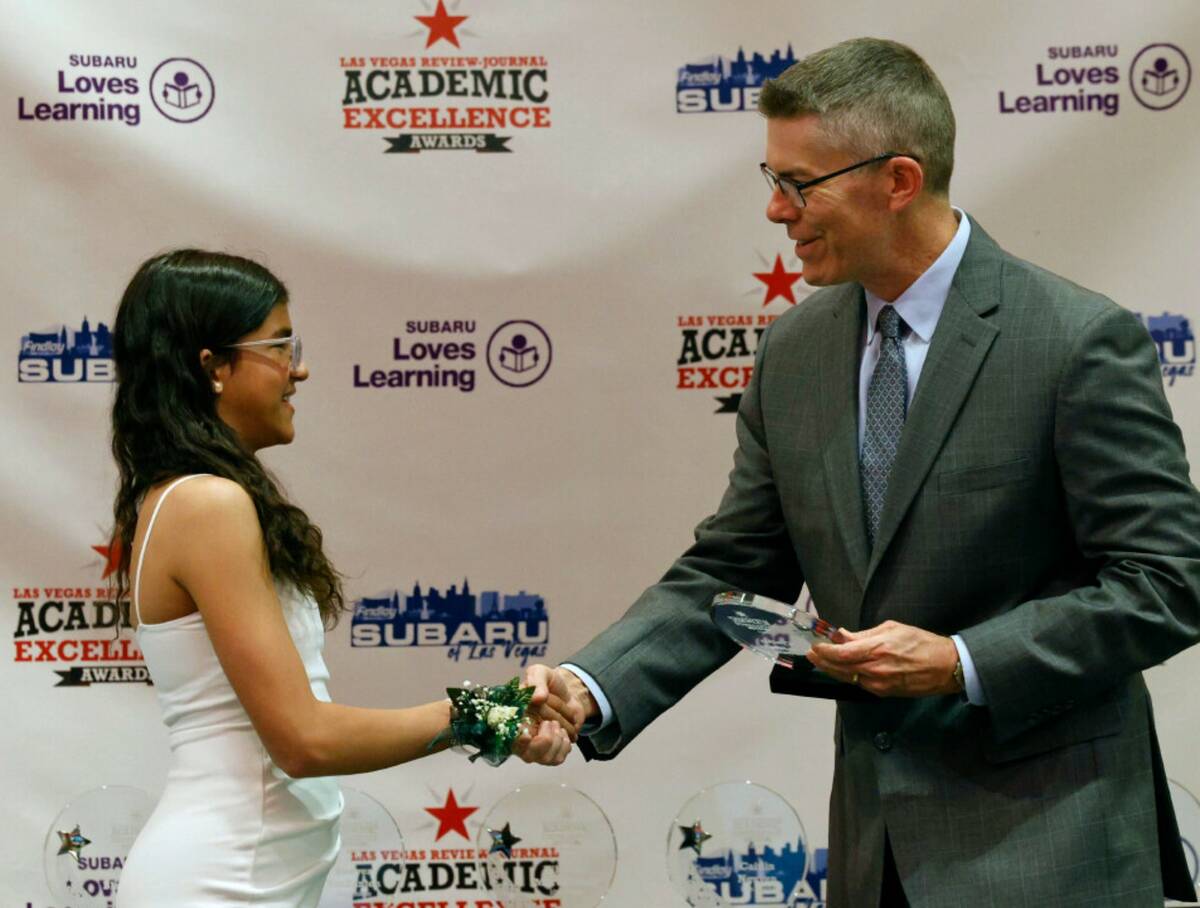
column 972, row 689
column 959, row 680
column 956, row 683
column 581, row 693
column 591, row 700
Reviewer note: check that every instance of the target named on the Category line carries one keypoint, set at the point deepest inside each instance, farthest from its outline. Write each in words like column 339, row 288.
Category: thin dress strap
column 137, row 577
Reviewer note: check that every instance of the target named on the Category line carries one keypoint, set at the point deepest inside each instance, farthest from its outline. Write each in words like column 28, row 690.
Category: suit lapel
column 958, row 348
column 839, row 401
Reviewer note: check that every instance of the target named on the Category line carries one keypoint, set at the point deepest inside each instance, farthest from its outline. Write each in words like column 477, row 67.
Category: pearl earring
column 218, row 387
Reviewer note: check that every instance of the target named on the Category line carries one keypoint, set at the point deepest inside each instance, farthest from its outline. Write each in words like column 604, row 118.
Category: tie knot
column 889, row 322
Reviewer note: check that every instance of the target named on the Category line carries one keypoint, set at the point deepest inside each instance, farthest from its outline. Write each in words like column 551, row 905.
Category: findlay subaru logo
column 738, row 843
column 721, row 85
column 441, row 102
column 1172, row 335
column 762, row 876
column 66, row 355
column 469, row 627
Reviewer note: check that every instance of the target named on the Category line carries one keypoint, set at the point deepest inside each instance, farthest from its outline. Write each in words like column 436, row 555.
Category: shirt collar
column 921, row 304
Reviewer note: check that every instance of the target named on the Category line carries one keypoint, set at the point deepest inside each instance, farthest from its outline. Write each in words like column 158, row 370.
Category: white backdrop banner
column 526, row 247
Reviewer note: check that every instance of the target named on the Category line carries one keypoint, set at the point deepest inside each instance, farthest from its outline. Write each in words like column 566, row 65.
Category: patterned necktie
column 887, row 405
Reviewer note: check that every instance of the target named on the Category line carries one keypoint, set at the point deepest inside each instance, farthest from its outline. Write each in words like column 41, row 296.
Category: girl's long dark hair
column 164, row 418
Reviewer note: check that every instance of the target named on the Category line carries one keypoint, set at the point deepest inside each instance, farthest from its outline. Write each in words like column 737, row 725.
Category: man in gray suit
column 972, row 464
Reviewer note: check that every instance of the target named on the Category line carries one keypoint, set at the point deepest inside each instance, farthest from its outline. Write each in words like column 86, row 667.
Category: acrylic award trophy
column 544, row 842
column 779, row 632
column 88, row 843
column 371, row 844
column 739, row 843
column 782, row 634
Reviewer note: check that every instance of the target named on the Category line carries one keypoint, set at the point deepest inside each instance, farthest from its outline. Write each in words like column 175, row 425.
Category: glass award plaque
column 88, row 843
column 777, row 631
column 547, row 841
column 371, row 846
column 739, row 843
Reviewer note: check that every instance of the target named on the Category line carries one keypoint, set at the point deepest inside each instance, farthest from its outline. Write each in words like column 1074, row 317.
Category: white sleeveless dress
column 231, row 828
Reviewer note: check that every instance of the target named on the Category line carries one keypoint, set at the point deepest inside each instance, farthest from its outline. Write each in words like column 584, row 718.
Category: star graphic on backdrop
column 502, row 840
column 72, row 842
column 694, row 837
column 441, row 25
column 779, row 281
column 451, row 817
column 112, row 558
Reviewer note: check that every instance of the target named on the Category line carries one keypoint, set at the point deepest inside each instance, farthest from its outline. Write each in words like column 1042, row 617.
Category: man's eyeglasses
column 793, row 190
column 287, row 350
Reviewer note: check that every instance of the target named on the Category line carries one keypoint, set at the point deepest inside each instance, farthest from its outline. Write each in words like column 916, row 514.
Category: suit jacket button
column 883, row 742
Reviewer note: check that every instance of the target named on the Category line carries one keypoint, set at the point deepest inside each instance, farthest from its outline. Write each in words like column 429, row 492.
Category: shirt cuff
column 974, row 689
column 591, row 726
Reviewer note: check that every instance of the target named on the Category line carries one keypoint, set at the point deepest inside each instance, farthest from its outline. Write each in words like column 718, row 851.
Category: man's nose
column 780, row 210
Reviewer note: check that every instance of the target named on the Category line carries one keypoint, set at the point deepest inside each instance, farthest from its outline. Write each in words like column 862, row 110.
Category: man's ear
column 906, row 180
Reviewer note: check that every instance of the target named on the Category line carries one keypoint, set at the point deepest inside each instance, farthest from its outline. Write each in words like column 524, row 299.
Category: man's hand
column 561, row 703
column 890, row 660
column 559, row 696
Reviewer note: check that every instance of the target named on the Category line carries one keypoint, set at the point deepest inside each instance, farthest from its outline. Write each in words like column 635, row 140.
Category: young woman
column 231, row 592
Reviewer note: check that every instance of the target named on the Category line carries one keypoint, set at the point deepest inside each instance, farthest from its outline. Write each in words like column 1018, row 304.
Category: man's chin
column 815, row 278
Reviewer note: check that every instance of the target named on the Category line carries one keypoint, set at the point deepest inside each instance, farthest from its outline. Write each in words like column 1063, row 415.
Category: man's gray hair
column 872, row 96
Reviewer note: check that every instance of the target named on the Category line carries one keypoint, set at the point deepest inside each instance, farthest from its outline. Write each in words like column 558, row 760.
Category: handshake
column 888, row 660
column 560, row 705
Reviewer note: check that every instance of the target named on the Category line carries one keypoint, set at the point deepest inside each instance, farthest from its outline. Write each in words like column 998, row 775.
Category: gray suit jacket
column 1040, row 505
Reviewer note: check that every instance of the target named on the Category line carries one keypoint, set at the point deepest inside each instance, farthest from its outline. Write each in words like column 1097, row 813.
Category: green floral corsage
column 485, row 722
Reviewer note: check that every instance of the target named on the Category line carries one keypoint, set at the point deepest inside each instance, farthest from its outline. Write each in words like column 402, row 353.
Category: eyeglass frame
column 294, row 339
column 776, row 181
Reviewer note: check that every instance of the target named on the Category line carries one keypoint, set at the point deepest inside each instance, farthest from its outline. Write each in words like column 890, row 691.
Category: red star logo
column 451, row 817
column 441, row 25
column 779, row 281
column 112, row 557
